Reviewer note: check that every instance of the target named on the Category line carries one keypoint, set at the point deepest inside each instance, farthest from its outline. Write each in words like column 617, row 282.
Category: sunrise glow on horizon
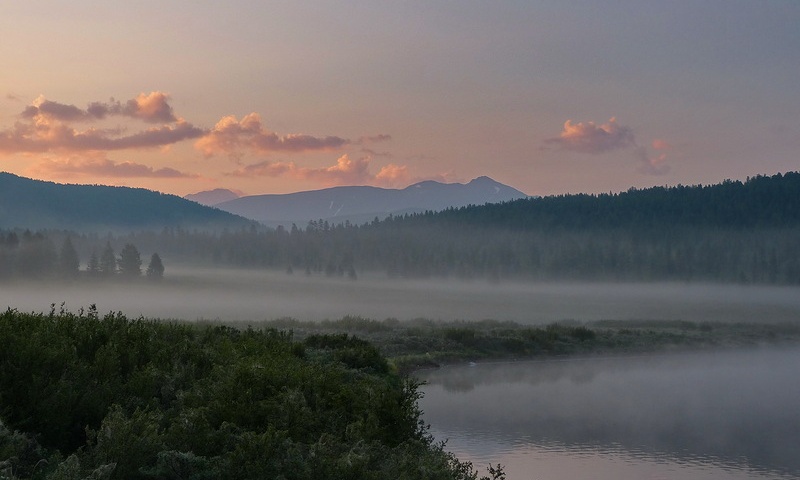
column 278, row 97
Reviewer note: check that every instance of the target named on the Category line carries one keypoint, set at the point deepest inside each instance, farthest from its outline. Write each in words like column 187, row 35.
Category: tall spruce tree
column 68, row 261
column 108, row 261
column 155, row 270
column 93, row 267
column 130, row 262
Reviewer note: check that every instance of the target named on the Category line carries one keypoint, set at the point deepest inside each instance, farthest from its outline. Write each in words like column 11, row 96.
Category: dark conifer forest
column 743, row 232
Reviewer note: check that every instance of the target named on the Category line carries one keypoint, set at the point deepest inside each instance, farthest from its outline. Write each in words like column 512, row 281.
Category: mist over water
column 246, row 295
column 701, row 415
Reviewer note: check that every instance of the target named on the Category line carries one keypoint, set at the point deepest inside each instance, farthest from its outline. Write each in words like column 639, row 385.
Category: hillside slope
column 35, row 204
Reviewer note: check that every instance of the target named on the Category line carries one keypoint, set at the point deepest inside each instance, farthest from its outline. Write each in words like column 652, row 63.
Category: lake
column 705, row 415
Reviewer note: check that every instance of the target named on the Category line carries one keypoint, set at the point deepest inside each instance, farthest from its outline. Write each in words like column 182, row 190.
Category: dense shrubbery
column 84, row 396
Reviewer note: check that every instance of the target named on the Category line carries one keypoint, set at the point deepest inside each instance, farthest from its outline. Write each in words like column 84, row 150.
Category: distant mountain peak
column 362, row 204
column 213, row 197
column 482, row 179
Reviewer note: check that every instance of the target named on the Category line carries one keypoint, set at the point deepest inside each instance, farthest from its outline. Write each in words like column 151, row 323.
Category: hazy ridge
column 35, row 204
column 360, row 204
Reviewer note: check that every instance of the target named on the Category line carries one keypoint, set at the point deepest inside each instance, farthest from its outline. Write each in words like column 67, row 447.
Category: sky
column 549, row 97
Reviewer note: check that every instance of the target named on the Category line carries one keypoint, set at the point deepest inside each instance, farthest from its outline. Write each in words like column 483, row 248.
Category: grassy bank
column 422, row 343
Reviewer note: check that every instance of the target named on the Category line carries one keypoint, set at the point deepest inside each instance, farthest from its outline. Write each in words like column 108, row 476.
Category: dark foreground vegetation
column 84, row 396
column 89, row 396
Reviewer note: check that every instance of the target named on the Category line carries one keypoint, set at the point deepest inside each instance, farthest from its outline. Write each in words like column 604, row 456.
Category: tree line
column 745, row 232
column 34, row 255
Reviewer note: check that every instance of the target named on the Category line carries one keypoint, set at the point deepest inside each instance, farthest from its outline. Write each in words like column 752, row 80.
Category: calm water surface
column 710, row 415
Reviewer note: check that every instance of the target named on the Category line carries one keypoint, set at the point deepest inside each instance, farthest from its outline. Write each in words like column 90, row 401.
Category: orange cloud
column 231, row 136
column 592, row 138
column 44, row 135
column 47, row 126
column 346, row 171
column 99, row 166
column 150, row 107
column 393, row 175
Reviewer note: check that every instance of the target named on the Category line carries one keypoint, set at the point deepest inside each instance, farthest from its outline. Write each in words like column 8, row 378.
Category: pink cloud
column 231, row 136
column 98, row 165
column 48, row 126
column 45, row 135
column 596, row 139
column 150, row 107
column 393, row 175
column 60, row 111
column 346, row 171
column 592, row 138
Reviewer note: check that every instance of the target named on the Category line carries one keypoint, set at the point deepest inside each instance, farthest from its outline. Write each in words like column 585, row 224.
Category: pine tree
column 155, row 270
column 93, row 268
column 130, row 262
column 108, row 261
column 68, row 261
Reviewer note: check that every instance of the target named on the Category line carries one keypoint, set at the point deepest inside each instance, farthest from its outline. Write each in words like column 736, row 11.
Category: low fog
column 245, row 295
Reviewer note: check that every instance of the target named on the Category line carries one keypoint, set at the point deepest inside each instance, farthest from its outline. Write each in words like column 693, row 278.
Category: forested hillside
column 34, row 204
column 759, row 202
column 731, row 232
column 746, row 232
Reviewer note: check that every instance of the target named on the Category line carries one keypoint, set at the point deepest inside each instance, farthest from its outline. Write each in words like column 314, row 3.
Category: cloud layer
column 49, row 126
column 232, row 136
column 346, row 171
column 73, row 141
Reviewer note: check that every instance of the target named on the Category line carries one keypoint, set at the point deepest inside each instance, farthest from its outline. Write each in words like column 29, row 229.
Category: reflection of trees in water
column 729, row 408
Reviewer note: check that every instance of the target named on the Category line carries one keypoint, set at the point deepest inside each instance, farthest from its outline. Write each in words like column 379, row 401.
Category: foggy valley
column 119, row 329
column 253, row 296
column 516, row 240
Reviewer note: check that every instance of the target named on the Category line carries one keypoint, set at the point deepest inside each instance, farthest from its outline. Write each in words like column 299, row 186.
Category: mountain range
column 359, row 204
column 35, row 204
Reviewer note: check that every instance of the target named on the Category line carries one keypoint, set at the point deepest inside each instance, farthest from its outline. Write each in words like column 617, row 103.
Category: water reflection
column 712, row 413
